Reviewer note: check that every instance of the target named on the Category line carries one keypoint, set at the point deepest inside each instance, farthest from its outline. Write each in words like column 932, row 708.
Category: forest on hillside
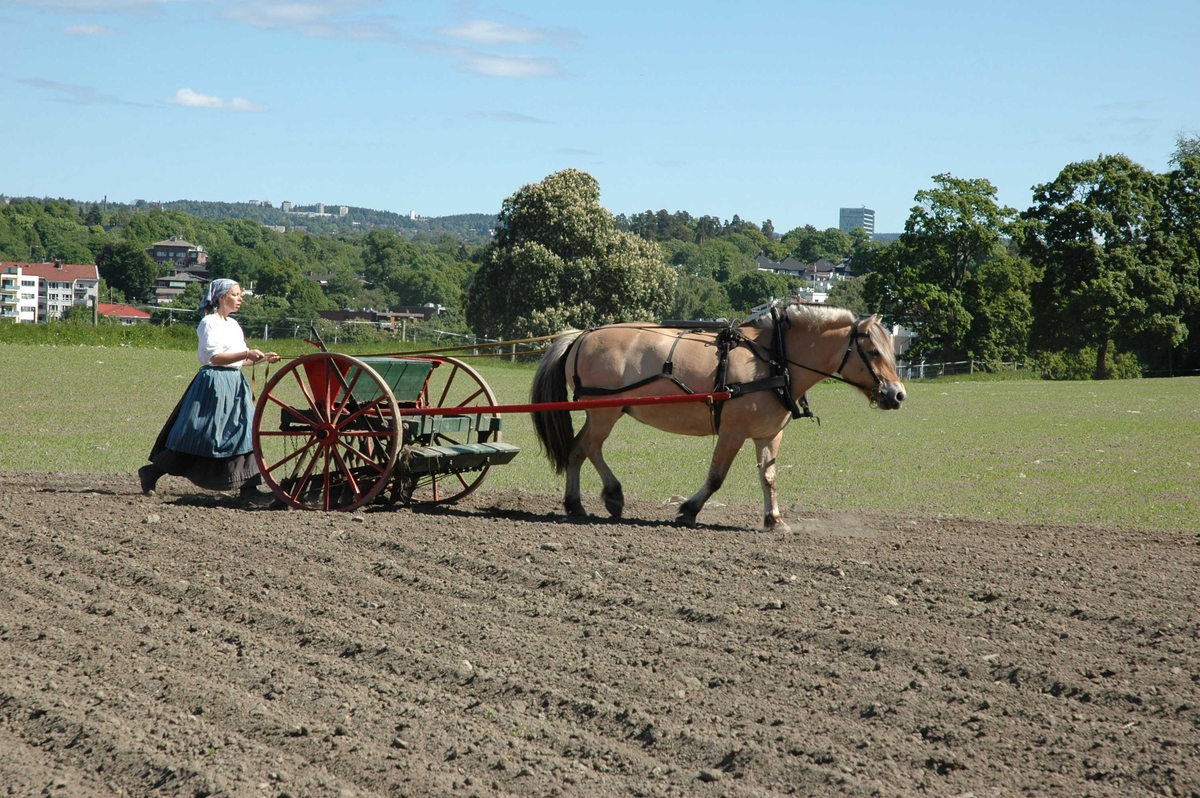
column 1099, row 277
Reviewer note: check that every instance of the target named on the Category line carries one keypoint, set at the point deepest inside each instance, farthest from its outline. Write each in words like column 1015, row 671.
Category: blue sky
column 780, row 110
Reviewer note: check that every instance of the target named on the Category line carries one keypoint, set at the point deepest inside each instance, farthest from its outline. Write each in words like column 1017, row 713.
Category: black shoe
column 255, row 496
column 148, row 479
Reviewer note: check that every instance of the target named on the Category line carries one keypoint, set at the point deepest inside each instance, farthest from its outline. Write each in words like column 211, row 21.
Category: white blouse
column 218, row 336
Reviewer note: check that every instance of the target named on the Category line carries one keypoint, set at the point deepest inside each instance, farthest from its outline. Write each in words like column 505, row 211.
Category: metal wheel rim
column 450, row 487
column 376, row 463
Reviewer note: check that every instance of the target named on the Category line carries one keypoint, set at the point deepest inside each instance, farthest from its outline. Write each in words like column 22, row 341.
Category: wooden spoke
column 342, row 449
column 454, row 384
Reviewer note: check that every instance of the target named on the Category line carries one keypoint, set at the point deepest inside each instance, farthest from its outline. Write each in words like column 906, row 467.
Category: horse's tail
column 554, row 429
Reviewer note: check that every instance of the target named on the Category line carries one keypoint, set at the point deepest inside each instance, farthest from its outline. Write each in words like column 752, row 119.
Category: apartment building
column 59, row 286
column 185, row 255
column 18, row 295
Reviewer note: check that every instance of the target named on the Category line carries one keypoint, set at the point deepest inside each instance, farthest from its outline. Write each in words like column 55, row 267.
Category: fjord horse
column 628, row 360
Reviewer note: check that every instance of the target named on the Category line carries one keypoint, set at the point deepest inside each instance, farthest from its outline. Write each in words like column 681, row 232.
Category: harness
column 727, row 339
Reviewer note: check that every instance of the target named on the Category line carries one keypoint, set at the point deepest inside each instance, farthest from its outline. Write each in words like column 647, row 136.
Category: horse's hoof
column 686, row 520
column 775, row 525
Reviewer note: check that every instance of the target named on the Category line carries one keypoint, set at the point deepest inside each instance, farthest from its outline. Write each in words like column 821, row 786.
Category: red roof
column 121, row 311
column 58, row 272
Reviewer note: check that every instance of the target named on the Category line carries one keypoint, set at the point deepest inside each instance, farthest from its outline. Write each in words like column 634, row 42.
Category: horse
column 767, row 363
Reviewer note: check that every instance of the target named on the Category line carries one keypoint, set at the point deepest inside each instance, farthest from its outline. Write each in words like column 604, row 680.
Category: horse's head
column 870, row 363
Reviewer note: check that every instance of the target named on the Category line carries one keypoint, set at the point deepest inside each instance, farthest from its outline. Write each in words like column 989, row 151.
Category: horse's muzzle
column 890, row 395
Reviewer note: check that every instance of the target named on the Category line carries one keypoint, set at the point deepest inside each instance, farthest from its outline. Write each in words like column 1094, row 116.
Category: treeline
column 1099, row 277
column 715, row 260
column 378, row 268
column 372, row 270
column 468, row 227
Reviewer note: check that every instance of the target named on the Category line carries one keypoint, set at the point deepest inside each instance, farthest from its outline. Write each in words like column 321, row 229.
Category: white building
column 60, row 285
column 852, row 218
column 18, row 295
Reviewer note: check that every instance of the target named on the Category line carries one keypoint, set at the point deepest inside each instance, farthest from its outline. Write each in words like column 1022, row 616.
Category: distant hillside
column 463, row 226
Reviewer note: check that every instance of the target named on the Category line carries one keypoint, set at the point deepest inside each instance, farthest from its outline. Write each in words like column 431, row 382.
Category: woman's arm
column 250, row 356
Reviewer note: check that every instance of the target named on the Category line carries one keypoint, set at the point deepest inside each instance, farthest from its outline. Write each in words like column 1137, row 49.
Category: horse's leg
column 767, row 449
column 727, row 448
column 587, row 446
column 571, row 501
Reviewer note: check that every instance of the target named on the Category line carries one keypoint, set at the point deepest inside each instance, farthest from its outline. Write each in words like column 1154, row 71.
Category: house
column 789, row 266
column 125, row 314
column 59, row 285
column 902, row 339
column 167, row 289
column 320, row 279
column 18, row 295
column 384, row 318
column 185, row 255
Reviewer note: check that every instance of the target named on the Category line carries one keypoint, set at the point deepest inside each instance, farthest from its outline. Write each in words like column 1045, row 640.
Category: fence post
column 971, row 369
column 513, row 357
column 266, row 331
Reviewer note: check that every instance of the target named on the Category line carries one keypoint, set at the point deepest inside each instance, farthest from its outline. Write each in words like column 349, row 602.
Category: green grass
column 1119, row 452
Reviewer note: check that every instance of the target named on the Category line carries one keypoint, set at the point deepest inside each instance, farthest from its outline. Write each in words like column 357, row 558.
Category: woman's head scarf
column 216, row 289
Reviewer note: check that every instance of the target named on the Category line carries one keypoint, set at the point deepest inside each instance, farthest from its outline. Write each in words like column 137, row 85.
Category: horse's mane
column 819, row 316
column 809, row 315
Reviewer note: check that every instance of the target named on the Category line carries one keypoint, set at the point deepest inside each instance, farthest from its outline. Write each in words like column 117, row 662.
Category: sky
column 769, row 110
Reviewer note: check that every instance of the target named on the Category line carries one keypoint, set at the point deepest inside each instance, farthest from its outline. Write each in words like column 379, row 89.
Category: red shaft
column 582, row 404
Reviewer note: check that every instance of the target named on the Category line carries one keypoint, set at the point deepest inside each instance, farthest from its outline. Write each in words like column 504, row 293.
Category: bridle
column 854, row 343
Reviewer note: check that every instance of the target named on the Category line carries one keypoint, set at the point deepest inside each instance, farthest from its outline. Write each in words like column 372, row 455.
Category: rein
column 851, row 345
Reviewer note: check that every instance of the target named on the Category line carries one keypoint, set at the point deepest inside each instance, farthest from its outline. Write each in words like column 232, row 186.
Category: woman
column 207, row 437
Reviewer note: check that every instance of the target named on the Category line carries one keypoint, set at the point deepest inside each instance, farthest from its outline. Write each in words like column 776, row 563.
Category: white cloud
column 193, row 99
column 479, row 31
column 496, row 34
column 323, row 19
column 96, row 5
column 90, row 30
column 73, row 94
column 510, row 66
column 507, row 116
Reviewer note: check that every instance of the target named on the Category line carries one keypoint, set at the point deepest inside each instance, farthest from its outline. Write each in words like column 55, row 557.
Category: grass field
column 1124, row 452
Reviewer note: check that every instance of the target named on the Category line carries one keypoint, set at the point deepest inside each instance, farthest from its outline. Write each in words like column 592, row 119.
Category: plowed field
column 183, row 646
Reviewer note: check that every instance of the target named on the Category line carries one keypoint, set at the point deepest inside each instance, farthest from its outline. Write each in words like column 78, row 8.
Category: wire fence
column 928, row 371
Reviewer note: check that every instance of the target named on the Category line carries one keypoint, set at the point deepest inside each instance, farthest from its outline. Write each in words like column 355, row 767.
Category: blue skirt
column 215, row 416
column 208, row 437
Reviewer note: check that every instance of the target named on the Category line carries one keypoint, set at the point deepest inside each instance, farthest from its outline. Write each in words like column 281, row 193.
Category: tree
column 848, row 294
column 1181, row 217
column 1097, row 235
column 699, row 298
column 808, row 244
column 558, row 259
column 929, row 280
column 126, row 267
column 93, row 216
column 748, row 290
column 1187, row 146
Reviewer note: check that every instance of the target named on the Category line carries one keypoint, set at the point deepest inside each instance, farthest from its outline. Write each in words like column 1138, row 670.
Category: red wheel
column 334, row 440
column 451, row 384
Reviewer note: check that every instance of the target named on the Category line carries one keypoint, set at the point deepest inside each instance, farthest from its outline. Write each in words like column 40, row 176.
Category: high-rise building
column 850, row 218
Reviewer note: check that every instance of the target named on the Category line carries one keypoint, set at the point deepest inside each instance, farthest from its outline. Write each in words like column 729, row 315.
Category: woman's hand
column 259, row 356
